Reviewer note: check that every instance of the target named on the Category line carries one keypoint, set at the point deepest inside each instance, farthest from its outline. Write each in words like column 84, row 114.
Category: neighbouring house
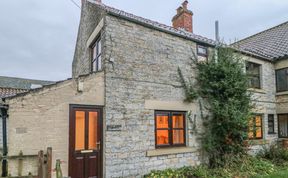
column 10, row 86
column 122, row 114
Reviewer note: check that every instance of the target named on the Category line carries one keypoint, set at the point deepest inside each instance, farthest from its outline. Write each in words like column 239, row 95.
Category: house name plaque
column 114, row 127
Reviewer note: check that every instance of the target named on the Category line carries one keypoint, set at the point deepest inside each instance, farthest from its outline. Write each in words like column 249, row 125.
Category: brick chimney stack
column 183, row 18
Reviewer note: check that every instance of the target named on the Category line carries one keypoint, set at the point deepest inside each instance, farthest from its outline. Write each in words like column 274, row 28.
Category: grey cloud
column 37, row 37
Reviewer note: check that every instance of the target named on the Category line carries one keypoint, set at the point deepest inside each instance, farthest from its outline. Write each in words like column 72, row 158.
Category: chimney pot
column 185, row 4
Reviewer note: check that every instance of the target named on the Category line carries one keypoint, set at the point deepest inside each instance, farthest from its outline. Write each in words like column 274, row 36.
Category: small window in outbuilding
column 96, row 56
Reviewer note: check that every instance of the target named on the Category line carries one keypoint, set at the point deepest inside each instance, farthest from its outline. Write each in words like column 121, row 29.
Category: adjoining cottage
column 122, row 114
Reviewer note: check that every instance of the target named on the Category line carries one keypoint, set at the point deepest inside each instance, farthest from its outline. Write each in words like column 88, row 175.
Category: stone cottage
column 122, row 114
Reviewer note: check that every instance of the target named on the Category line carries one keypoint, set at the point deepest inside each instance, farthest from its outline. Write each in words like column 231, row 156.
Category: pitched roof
column 20, row 83
column 6, row 92
column 271, row 44
column 153, row 24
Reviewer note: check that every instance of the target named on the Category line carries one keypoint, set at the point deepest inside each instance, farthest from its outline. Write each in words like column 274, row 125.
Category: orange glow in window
column 162, row 121
column 178, row 121
column 93, row 118
column 162, row 137
column 80, row 130
column 178, row 136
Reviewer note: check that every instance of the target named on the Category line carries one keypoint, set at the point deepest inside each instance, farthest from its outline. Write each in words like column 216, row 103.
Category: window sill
column 282, row 93
column 169, row 151
column 256, row 90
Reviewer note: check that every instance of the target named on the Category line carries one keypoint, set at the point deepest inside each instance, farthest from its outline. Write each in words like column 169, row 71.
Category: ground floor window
column 255, row 127
column 170, row 128
column 283, row 125
column 271, row 124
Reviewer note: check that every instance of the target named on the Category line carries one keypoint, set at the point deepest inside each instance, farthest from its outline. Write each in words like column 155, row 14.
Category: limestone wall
column 143, row 78
column 263, row 99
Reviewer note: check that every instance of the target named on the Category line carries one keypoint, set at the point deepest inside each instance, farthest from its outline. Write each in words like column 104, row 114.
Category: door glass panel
column 79, row 130
column 93, row 124
column 162, row 137
column 178, row 121
column 178, row 136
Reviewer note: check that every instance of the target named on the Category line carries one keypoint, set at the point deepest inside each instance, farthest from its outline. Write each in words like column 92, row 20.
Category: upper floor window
column 253, row 73
column 202, row 51
column 96, row 56
column 170, row 128
column 255, row 127
column 282, row 80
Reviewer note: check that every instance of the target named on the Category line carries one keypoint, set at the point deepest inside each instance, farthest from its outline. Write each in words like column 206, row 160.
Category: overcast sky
column 37, row 37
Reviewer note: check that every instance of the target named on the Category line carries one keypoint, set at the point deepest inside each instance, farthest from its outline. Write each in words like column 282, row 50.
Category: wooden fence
column 44, row 164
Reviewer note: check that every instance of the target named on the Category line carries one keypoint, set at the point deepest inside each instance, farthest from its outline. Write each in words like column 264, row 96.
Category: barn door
column 85, row 142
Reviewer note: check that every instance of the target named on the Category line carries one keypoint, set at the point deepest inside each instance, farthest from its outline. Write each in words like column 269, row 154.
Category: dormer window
column 96, row 56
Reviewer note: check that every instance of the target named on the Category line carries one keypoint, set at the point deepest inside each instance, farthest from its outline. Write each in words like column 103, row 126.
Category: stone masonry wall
column 90, row 17
column 264, row 101
column 282, row 97
column 40, row 119
column 144, row 69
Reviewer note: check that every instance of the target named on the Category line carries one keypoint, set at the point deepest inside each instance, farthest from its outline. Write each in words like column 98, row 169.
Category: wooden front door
column 85, row 142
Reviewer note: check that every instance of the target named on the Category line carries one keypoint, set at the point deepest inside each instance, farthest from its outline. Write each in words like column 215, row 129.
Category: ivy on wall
column 222, row 83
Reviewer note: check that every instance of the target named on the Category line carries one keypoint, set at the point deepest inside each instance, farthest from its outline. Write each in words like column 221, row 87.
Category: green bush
column 221, row 82
column 235, row 166
column 275, row 153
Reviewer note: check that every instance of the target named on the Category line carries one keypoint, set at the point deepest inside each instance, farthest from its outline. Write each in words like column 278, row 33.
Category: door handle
column 98, row 145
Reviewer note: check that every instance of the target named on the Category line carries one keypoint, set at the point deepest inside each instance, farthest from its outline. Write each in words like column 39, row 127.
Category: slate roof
column 11, row 86
column 153, row 24
column 271, row 44
column 20, row 83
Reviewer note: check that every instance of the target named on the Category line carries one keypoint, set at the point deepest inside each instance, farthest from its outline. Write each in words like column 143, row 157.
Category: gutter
column 160, row 29
column 4, row 115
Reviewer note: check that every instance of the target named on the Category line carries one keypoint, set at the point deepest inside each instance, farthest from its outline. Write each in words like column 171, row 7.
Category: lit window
column 96, row 56
column 255, row 127
column 271, row 124
column 170, row 128
column 282, row 80
column 253, row 73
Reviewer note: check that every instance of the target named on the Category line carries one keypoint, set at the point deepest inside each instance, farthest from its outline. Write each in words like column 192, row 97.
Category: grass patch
column 277, row 174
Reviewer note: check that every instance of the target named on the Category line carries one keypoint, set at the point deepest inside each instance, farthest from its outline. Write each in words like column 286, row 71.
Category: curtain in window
column 283, row 125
